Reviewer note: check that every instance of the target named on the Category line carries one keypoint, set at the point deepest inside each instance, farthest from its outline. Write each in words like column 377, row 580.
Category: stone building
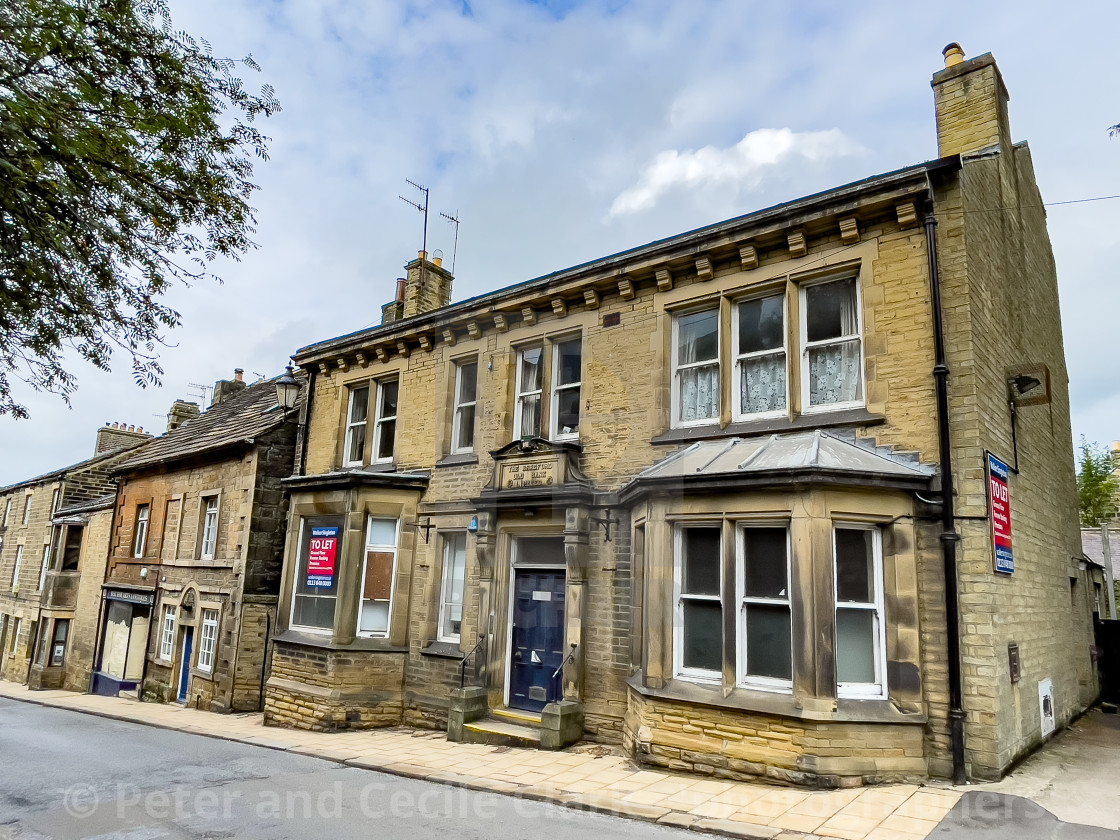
column 38, row 578
column 195, row 554
column 741, row 499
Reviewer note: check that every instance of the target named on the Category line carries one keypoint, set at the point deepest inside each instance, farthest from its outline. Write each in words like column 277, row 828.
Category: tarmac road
column 69, row 775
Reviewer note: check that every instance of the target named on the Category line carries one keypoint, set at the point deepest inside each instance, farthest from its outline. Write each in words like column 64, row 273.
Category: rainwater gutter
column 949, row 536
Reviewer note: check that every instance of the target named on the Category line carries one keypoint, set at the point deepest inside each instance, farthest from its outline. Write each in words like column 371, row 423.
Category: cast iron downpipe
column 949, row 535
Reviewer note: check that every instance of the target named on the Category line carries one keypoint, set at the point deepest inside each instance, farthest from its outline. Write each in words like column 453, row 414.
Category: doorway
column 185, row 663
column 537, row 624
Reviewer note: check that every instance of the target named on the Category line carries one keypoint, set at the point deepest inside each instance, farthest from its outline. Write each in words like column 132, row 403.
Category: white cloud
column 742, row 165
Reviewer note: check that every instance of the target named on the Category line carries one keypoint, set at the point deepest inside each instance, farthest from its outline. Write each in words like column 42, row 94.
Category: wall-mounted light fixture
column 287, row 390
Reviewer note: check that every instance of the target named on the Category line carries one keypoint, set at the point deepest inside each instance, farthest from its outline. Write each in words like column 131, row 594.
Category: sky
column 561, row 131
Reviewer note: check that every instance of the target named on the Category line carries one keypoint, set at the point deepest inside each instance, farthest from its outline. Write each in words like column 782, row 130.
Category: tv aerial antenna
column 422, row 207
column 453, row 218
column 204, row 392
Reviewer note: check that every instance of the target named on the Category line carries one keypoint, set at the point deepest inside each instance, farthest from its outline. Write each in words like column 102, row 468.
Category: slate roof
column 1094, row 549
column 824, row 454
column 88, row 506
column 80, row 465
column 237, row 419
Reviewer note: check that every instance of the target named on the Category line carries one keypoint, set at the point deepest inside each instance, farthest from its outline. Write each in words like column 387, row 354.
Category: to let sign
column 998, row 474
column 321, row 556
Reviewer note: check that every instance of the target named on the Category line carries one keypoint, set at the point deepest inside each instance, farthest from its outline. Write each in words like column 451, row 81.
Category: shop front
column 125, row 629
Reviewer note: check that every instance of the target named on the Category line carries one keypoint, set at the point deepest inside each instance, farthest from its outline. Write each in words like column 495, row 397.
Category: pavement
column 593, row 777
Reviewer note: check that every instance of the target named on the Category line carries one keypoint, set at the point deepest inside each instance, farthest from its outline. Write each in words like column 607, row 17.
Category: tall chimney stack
column 971, row 103
column 226, row 388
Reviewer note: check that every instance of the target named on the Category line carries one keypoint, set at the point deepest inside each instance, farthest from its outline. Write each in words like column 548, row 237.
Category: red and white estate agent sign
column 321, row 556
column 998, row 474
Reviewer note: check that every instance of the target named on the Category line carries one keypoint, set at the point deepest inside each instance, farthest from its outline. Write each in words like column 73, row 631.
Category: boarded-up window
column 377, row 576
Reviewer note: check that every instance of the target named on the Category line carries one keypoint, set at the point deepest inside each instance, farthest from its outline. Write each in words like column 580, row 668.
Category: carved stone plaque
column 519, row 474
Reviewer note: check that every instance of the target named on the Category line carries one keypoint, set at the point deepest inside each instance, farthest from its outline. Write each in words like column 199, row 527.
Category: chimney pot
column 423, row 255
column 402, row 284
column 953, row 53
column 238, row 375
column 132, row 428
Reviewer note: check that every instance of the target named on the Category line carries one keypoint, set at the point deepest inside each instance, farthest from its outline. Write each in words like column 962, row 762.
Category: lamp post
column 287, row 390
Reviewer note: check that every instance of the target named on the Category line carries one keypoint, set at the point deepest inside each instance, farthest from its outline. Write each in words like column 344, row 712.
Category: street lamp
column 287, row 390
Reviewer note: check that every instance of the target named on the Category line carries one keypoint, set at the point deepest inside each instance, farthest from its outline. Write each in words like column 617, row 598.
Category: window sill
column 848, row 417
column 458, row 460
column 445, row 650
column 773, row 703
column 326, row 640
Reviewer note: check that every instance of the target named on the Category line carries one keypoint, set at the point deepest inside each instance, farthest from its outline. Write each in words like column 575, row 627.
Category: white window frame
column 208, row 632
column 519, row 395
column 803, row 327
column 17, row 567
column 52, row 660
column 367, row 546
column 699, row 675
column 347, row 457
column 554, row 400
column 7, row 511
column 742, row 600
column 379, row 421
column 675, row 406
column 460, row 404
column 739, row 358
column 445, row 602
column 140, row 531
column 27, row 507
column 209, row 535
column 54, row 499
column 167, row 633
column 301, row 568
column 878, row 689
column 44, row 566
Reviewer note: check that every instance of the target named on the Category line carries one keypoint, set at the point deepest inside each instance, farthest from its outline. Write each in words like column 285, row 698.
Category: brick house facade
column 195, row 555
column 695, row 497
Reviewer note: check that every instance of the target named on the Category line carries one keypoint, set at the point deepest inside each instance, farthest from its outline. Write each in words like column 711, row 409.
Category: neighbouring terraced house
column 39, row 573
column 791, row 495
column 194, row 554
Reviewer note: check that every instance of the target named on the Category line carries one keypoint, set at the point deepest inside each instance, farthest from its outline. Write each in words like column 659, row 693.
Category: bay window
column 357, row 413
column 378, row 569
column 696, row 385
column 765, row 624
column 859, row 611
column 567, row 366
column 760, row 356
column 385, row 421
column 529, row 386
column 466, row 399
column 832, row 373
column 698, row 632
column 58, row 643
column 451, row 594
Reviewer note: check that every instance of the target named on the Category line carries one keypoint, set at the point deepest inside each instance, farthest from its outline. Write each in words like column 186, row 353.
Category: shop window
column 72, row 548
column 859, row 612
column 760, row 357
column 699, row 611
column 567, row 374
column 696, row 385
column 385, row 422
column 357, row 414
column 378, row 570
column 832, row 345
column 466, row 398
column 17, row 567
column 209, row 526
column 530, row 379
column 167, row 634
column 58, row 642
column 451, row 593
column 208, row 640
column 765, row 625
column 315, row 588
column 140, row 537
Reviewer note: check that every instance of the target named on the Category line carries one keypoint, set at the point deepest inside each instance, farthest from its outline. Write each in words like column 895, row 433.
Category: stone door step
column 502, row 733
column 518, row 716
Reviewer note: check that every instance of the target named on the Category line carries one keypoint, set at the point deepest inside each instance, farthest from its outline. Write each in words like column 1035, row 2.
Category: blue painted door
column 185, row 667
column 537, row 640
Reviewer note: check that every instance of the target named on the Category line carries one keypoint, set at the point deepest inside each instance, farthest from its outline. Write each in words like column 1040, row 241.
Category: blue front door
column 537, row 639
column 185, row 663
